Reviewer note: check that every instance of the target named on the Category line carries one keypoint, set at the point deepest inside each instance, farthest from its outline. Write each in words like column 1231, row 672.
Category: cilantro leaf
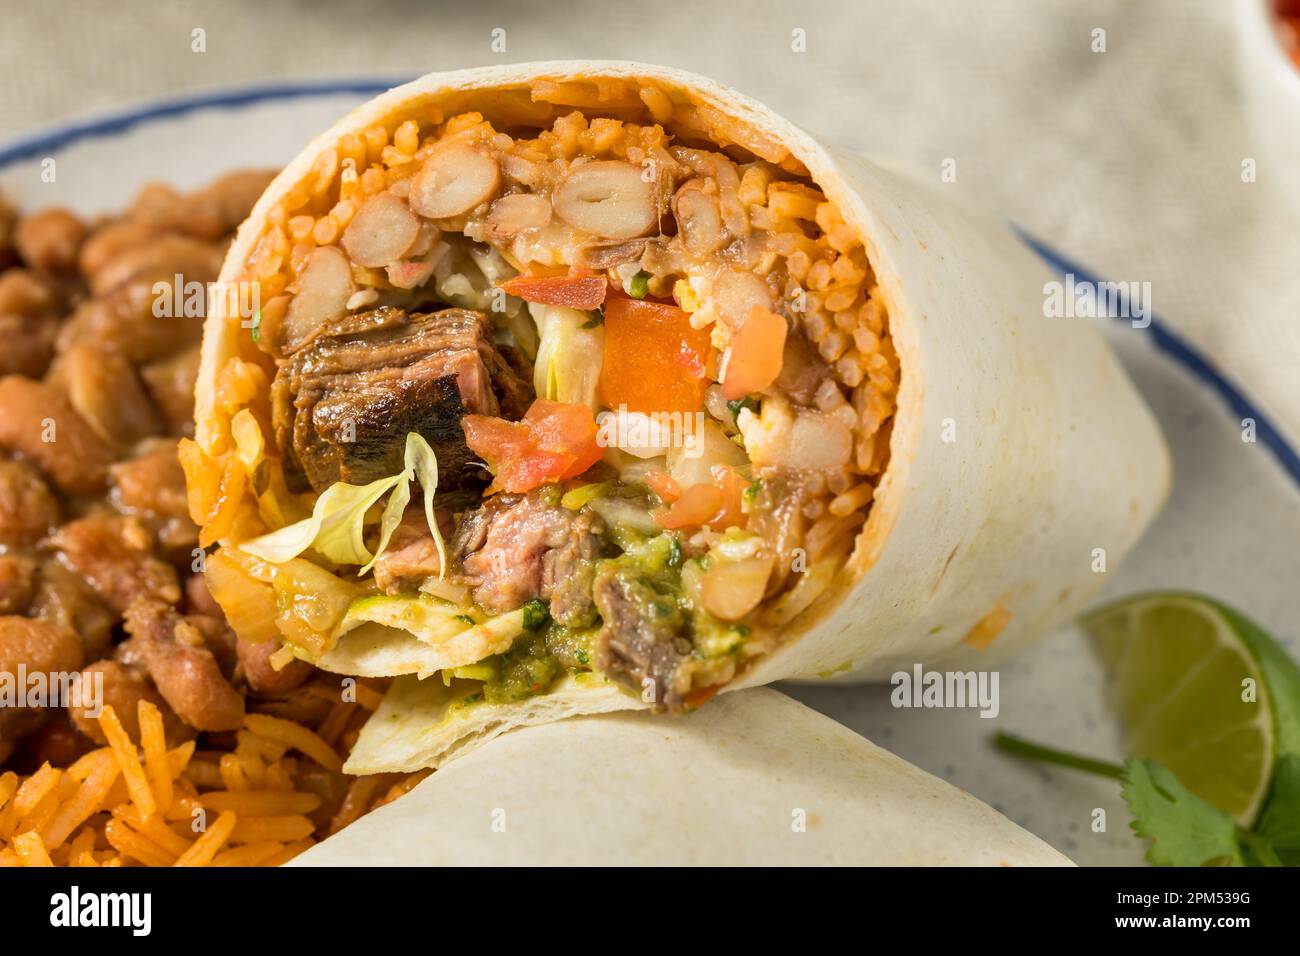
column 536, row 615
column 1184, row 829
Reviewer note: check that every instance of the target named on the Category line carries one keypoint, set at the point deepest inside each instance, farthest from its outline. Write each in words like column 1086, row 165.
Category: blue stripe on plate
column 1189, row 358
column 60, row 137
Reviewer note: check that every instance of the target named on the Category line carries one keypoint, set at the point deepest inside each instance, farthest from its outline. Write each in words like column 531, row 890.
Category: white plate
column 1231, row 527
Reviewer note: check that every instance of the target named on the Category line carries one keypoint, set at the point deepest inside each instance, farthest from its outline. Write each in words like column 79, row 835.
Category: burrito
column 754, row 779
column 574, row 387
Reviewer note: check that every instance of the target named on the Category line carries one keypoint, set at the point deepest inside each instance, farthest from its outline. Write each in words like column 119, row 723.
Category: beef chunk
column 411, row 557
column 346, row 400
column 640, row 644
column 518, row 548
column 569, row 571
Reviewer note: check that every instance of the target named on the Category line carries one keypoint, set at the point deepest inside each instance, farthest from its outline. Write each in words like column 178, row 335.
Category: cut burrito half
column 755, row 779
column 574, row 387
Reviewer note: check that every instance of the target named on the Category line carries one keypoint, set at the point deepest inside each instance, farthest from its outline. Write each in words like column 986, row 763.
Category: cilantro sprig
column 1184, row 829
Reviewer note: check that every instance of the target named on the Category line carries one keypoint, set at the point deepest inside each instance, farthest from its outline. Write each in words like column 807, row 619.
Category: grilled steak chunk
column 517, row 548
column 346, row 400
column 411, row 557
column 640, row 644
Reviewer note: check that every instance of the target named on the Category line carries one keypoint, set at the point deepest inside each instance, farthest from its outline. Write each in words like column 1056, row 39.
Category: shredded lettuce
column 336, row 526
column 392, row 516
column 421, row 460
column 569, row 356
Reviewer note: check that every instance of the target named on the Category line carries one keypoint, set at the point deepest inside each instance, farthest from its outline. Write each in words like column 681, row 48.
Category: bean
column 38, row 422
column 115, row 554
column 49, row 240
column 28, row 509
column 182, row 668
column 607, row 198
column 453, row 181
column 265, row 679
column 122, row 689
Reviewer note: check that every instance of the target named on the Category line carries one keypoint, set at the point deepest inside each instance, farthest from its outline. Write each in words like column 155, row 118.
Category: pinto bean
column 28, row 510
column 38, row 646
column 38, row 422
column 29, row 322
column 115, row 554
column 323, row 292
column 607, row 198
column 109, row 241
column 27, row 344
column 102, row 385
column 123, row 688
column 453, row 181
column 223, row 204
column 699, row 217
column 208, row 213
column 169, row 256
column 607, row 255
column 199, row 599
column 265, row 679
column 156, row 203
column 152, row 483
column 23, row 292
column 513, row 214
column 219, row 638
column 63, row 598
column 381, row 231
column 17, row 582
column 124, row 321
column 49, row 240
column 182, row 668
column 170, row 384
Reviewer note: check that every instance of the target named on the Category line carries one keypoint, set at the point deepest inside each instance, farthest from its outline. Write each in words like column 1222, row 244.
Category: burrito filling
column 547, row 391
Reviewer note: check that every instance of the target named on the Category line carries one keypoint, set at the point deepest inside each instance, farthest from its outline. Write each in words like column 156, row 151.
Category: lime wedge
column 1202, row 690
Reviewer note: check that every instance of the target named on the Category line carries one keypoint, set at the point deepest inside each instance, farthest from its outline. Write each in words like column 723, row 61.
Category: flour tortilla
column 755, row 778
column 1021, row 458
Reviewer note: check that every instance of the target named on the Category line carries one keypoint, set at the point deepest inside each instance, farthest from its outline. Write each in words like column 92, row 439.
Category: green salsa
column 528, row 668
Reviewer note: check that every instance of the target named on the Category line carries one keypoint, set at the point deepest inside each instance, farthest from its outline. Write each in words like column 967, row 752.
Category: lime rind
column 1178, row 663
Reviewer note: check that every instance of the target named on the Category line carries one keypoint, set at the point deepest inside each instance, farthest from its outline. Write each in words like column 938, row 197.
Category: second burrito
column 576, row 387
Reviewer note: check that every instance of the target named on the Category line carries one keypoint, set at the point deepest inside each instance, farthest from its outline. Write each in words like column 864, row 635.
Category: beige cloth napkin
column 1128, row 160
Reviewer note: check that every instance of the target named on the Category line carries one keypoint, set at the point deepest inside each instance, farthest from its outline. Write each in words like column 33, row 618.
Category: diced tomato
column 757, row 350
column 572, row 292
column 554, row 440
column 664, row 485
column 716, row 503
column 654, row 360
column 700, row 696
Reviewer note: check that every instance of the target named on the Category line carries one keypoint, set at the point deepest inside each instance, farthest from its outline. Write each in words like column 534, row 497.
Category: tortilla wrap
column 753, row 779
column 1023, row 464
